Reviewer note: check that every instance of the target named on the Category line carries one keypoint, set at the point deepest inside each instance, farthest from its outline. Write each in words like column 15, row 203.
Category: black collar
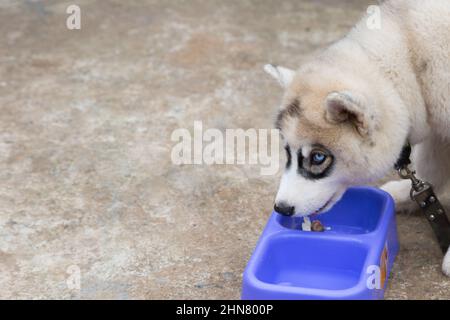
column 404, row 158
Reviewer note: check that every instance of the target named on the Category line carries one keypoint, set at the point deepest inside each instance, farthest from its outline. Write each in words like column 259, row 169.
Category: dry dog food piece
column 317, row 226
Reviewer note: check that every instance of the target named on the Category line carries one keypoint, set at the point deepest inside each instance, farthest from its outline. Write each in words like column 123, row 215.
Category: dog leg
column 444, row 198
column 399, row 190
column 446, row 264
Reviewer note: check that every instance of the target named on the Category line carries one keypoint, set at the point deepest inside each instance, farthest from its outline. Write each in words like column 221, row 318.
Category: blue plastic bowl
column 351, row 261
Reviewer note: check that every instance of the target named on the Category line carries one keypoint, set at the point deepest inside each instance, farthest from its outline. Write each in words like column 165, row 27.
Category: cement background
column 85, row 123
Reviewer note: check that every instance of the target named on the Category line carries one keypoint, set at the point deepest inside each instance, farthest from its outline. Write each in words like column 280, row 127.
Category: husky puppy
column 347, row 113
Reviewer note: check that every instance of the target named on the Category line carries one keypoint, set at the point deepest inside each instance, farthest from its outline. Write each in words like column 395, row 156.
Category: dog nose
column 284, row 209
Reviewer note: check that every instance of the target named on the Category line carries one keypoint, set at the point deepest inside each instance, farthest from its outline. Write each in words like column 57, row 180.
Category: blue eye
column 317, row 158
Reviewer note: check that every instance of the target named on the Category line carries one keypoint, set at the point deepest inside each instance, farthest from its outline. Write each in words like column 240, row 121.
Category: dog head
column 338, row 130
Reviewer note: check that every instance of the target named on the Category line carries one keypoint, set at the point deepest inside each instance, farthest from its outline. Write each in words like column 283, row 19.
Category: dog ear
column 284, row 76
column 347, row 107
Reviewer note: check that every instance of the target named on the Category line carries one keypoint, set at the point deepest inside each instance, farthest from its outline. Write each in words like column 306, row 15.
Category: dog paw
column 399, row 190
column 446, row 264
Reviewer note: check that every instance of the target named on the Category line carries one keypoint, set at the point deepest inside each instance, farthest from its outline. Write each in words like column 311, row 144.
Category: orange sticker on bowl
column 383, row 266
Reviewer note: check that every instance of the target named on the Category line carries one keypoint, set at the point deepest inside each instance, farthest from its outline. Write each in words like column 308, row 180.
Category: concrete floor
column 85, row 123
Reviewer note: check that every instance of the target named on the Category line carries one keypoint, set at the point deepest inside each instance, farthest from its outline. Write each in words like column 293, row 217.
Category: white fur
column 399, row 190
column 403, row 72
column 314, row 193
column 283, row 75
column 446, row 264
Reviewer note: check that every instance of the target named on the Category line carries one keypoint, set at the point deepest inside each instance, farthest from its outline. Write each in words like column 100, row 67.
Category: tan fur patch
column 310, row 125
